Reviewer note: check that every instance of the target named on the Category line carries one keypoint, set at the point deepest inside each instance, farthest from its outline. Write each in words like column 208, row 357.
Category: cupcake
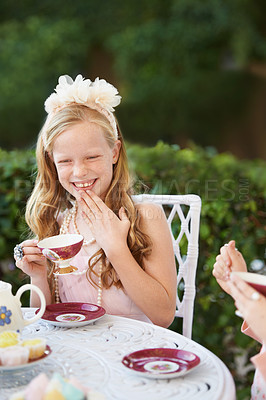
column 9, row 338
column 36, row 347
column 14, row 355
column 8, row 335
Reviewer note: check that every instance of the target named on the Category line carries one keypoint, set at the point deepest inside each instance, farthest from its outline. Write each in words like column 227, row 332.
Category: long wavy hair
column 49, row 198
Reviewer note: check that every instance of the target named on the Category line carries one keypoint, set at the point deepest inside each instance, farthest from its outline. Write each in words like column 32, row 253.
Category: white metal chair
column 184, row 227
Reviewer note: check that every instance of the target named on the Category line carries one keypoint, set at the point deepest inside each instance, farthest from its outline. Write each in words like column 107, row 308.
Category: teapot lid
column 4, row 285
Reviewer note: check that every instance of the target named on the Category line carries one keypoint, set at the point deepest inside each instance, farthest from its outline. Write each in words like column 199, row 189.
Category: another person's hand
column 229, row 259
column 251, row 304
column 33, row 263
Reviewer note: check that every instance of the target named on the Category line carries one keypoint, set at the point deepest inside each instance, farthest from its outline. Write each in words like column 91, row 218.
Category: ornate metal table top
column 93, row 354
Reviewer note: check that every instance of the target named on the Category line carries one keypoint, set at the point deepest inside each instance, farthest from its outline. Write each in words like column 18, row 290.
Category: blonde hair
column 49, row 198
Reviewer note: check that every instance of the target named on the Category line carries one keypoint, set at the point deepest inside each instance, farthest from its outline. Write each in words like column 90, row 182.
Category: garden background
column 192, row 76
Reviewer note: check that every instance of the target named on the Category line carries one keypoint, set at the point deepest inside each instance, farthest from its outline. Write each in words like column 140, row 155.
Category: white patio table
column 93, row 354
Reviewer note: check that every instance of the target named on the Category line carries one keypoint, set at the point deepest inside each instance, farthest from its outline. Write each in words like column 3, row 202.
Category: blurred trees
column 185, row 68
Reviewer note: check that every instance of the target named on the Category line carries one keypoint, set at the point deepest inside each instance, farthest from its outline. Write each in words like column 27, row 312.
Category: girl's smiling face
column 84, row 160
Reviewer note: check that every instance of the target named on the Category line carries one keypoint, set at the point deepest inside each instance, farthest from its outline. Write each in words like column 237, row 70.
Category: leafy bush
column 16, row 180
column 233, row 196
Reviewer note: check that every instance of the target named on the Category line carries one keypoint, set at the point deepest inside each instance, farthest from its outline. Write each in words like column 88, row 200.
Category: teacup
column 61, row 249
column 11, row 317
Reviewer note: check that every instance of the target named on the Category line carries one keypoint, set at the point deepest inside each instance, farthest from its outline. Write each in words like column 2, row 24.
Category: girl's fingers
column 94, row 207
column 122, row 214
column 34, row 258
column 30, row 247
column 96, row 200
column 29, row 243
column 89, row 206
column 28, row 261
column 88, row 219
column 93, row 201
column 32, row 250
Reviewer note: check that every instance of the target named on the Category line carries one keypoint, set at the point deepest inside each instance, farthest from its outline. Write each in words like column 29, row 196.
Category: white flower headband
column 98, row 95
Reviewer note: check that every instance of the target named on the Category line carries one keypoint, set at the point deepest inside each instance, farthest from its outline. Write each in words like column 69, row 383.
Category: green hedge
column 233, row 196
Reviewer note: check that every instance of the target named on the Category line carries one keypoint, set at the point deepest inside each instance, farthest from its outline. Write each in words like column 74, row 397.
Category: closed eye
column 92, row 157
column 63, row 161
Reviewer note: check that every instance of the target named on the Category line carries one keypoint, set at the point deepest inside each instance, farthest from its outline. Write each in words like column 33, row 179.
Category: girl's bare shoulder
column 151, row 212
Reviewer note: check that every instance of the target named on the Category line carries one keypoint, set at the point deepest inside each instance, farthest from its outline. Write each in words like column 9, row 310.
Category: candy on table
column 57, row 388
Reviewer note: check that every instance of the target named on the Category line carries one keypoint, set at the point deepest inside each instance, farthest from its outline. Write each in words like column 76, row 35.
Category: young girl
column 250, row 303
column 127, row 262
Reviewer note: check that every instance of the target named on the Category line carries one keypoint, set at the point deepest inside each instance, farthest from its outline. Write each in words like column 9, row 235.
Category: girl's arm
column 153, row 289
column 34, row 264
column 42, row 283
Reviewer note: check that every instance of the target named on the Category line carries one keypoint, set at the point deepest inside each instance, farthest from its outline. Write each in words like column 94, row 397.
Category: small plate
column 161, row 363
column 72, row 314
column 29, row 364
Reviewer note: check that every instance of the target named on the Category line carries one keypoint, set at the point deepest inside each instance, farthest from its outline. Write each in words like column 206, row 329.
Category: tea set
column 60, row 249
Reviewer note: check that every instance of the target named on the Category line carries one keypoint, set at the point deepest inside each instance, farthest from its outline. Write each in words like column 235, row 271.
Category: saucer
column 161, row 363
column 72, row 314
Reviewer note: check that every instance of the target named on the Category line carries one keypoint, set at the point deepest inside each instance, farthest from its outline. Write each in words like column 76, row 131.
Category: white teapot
column 11, row 317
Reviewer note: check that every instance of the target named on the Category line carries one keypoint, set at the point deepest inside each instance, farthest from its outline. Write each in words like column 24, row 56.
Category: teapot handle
column 23, row 289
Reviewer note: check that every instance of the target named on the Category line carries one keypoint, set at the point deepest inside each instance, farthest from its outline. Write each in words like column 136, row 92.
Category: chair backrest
column 183, row 217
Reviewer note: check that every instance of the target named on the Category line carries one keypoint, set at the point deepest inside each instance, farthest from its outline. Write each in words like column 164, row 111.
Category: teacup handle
column 23, row 289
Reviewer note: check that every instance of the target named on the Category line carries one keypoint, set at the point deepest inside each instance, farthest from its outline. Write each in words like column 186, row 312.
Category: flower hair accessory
column 98, row 95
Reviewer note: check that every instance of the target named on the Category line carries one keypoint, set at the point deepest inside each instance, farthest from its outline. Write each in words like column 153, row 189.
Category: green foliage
column 184, row 70
column 182, row 66
column 42, row 47
column 16, row 175
column 233, row 196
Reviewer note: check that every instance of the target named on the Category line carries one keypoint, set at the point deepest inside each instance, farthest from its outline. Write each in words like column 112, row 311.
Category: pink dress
column 77, row 288
column 258, row 389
